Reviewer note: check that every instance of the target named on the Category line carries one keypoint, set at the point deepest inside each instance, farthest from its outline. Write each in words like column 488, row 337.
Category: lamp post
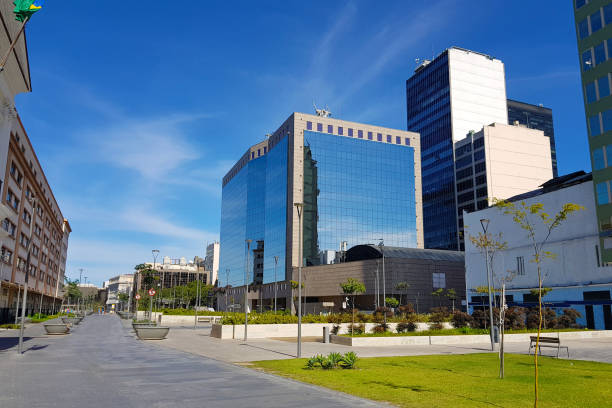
column 227, row 272
column 154, row 252
column 381, row 245
column 275, row 265
column 246, row 288
column 299, row 207
column 485, row 226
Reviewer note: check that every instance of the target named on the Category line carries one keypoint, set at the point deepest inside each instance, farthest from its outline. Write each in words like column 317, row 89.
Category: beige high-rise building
column 499, row 162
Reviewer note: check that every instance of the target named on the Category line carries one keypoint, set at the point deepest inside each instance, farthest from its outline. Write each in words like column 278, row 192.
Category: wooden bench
column 209, row 319
column 553, row 342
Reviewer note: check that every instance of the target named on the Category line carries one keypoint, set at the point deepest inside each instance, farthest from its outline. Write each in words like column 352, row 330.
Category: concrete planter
column 56, row 328
column 149, row 324
column 71, row 320
column 152, row 332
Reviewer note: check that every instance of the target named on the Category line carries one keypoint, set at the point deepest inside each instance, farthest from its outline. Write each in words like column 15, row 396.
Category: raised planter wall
column 458, row 339
column 262, row 331
column 171, row 320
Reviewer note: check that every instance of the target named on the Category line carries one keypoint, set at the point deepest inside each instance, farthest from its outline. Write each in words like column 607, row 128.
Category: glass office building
column 535, row 117
column 358, row 183
column 593, row 22
column 458, row 92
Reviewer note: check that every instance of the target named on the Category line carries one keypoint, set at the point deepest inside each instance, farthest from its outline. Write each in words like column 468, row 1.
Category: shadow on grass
column 415, row 388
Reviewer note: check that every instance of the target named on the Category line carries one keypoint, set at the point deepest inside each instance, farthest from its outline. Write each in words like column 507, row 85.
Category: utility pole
column 299, row 207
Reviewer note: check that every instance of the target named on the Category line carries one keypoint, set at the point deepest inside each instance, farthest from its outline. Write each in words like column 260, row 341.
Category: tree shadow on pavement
column 10, row 342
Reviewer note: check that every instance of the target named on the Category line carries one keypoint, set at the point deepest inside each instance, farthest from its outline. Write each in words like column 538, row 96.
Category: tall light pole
column 27, row 274
column 381, row 245
column 246, row 288
column 227, row 272
column 275, row 265
column 154, row 252
column 485, row 226
column 299, row 207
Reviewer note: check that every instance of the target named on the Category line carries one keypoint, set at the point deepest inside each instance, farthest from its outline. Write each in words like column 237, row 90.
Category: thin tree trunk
column 353, row 325
column 535, row 385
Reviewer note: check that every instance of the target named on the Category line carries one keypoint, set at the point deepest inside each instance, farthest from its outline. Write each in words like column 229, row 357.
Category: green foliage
column 392, row 302
column 9, row 326
column 333, row 360
column 72, row 291
column 380, row 328
column 461, row 319
column 352, row 287
column 407, row 326
column 357, row 328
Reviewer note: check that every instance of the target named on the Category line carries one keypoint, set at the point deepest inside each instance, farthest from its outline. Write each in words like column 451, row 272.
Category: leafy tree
column 438, row 293
column 538, row 225
column 72, row 291
column 352, row 287
column 294, row 287
column 451, row 294
column 391, row 302
column 403, row 287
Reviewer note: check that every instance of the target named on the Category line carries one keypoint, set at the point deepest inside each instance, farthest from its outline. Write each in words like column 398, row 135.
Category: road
column 101, row 364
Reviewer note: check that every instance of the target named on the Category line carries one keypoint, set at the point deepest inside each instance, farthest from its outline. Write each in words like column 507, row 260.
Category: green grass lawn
column 469, row 380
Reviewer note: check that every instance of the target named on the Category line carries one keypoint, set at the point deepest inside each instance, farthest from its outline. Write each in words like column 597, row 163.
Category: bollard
column 159, row 317
column 325, row 334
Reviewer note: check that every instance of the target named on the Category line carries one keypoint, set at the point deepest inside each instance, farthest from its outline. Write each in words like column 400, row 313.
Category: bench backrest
column 546, row 339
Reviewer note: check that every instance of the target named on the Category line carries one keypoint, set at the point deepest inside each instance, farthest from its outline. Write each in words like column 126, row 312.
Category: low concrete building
column 424, row 270
column 116, row 285
column 577, row 276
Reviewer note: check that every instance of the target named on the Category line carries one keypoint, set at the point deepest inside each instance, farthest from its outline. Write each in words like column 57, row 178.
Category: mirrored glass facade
column 358, row 192
column 429, row 113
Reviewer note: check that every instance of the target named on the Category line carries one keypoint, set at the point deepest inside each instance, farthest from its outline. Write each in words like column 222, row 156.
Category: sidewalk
column 199, row 342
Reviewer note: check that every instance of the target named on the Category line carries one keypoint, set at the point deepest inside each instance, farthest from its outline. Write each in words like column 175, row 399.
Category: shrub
column 357, row 328
column 480, row 319
column 335, row 329
column 334, row 359
column 436, row 326
column 382, row 310
column 461, row 319
column 348, row 360
column 406, row 327
column 380, row 328
column 549, row 318
column 568, row 319
column 406, row 309
column 515, row 318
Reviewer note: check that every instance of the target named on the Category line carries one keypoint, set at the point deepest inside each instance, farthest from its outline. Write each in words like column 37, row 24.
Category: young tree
column 538, row 226
column 438, row 293
column 392, row 302
column 294, row 287
column 403, row 287
column 451, row 294
column 352, row 287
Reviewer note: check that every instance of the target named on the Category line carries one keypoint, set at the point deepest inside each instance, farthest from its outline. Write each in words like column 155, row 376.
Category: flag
column 25, row 8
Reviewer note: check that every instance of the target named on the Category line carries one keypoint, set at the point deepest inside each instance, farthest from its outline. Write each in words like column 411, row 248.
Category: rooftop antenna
column 324, row 113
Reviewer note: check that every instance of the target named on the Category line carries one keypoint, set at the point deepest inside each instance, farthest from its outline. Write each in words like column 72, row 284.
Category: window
column 6, row 255
column 480, row 167
column 309, row 125
column 594, row 125
column 369, row 135
column 439, row 280
column 590, row 92
column 587, row 60
column 481, row 192
column 350, row 132
column 9, row 227
column 340, row 130
column 606, row 118
column 398, row 140
column 602, row 193
column 598, row 159
column 360, row 134
column 379, row 137
column 479, row 155
column 600, row 54
column 583, row 29
column 464, row 173
column 604, row 87
column 319, row 127
column 465, row 197
column 265, row 149
column 464, row 185
column 595, row 21
column 580, row 3
column 258, row 152
column 388, row 138
column 252, row 155
column 520, row 265
column 13, row 169
column 407, row 141
column 330, row 129
column 607, row 12
column 465, row 161
column 482, row 179
column 478, row 143
column 482, row 204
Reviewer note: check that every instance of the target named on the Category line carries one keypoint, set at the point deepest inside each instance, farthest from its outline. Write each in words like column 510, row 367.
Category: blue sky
column 137, row 113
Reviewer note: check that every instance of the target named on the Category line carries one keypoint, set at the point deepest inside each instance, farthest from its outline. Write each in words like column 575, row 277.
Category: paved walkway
column 200, row 343
column 101, row 364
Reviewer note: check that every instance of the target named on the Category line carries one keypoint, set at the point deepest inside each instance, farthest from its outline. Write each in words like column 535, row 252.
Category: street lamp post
column 382, row 250
column 275, row 265
column 485, row 225
column 154, row 252
column 227, row 272
column 246, row 288
column 299, row 207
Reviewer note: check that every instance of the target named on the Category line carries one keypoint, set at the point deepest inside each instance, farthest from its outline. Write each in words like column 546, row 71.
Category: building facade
column 358, row 184
column 498, row 162
column 593, row 21
column 174, row 272
column 535, row 117
column 116, row 285
column 458, row 92
column 211, row 262
column 578, row 277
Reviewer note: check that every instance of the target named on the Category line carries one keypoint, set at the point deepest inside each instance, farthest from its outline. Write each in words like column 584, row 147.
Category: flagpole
column 10, row 50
